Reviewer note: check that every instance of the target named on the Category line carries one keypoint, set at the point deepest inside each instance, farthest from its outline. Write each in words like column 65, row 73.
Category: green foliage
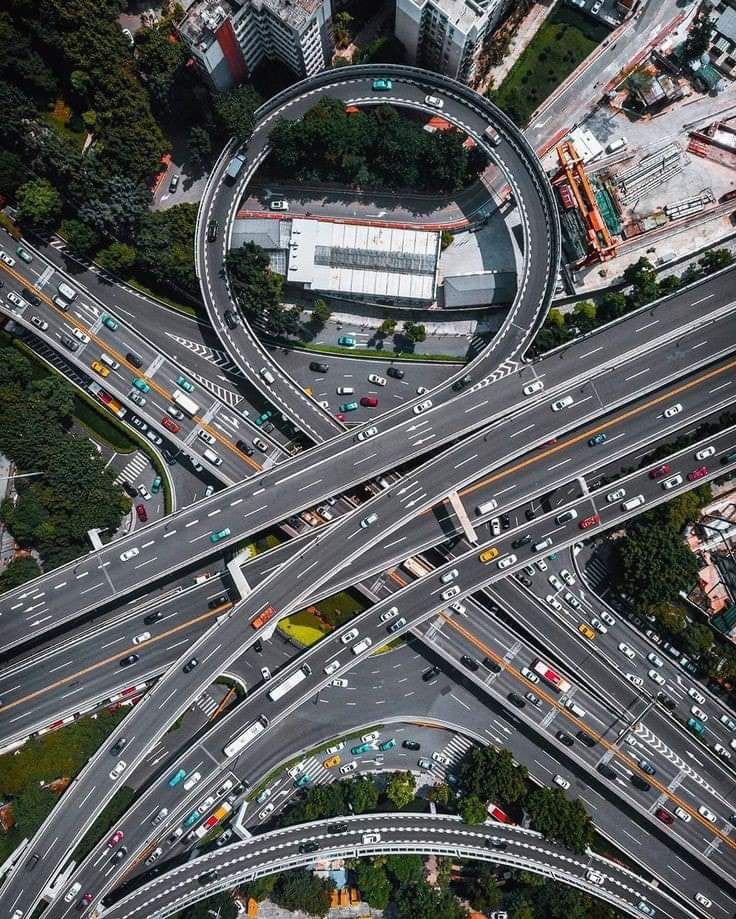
column 440, row 794
column 697, row 639
column 200, row 148
column 414, row 332
column 387, row 327
column 300, row 889
column 670, row 618
column 117, row 258
column 559, row 819
column 715, row 259
column 39, row 204
column 373, row 148
column 21, row 569
column 473, row 810
column 404, row 869
column 235, row 111
column 258, row 289
column 370, row 879
column 260, row 888
column 386, row 49
column 105, row 820
column 221, row 905
column 483, row 891
column 318, row 802
column 158, row 58
column 81, row 238
column 166, row 246
column 362, row 794
column 491, row 775
column 654, row 564
column 12, row 171
column 420, row 901
column 321, row 313
column 400, row 789
column 31, row 808
column 612, row 306
column 699, row 36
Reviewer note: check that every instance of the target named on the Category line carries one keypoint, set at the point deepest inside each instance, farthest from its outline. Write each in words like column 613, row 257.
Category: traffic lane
column 391, row 445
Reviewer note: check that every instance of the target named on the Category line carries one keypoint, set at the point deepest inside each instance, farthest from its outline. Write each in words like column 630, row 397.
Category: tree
column 668, row 285
column 655, row 564
column 371, row 881
column 39, row 204
column 699, row 36
column 420, row 901
column 115, row 207
column 715, row 259
column 473, row 810
column 491, row 775
column 400, row 789
column 362, row 794
column 300, row 889
column 440, row 794
column 341, row 23
column 405, row 869
column 12, row 173
column 260, row 888
column 159, row 58
column 117, row 258
column 642, row 275
column 166, row 247
column 221, row 905
column 519, row 907
column 387, row 327
column 81, row 238
column 200, row 148
column 483, row 891
column 21, row 569
column 612, row 306
column 584, row 315
column 321, row 313
column 414, row 332
column 559, row 819
column 31, row 808
column 697, row 639
column 235, row 110
column 669, row 617
column 256, row 287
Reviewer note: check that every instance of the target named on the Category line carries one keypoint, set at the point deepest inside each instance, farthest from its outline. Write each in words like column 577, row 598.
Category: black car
column 665, row 700
column 607, row 771
column 525, row 580
column 212, row 228
column 515, row 699
column 153, row 617
column 411, row 745
column 529, row 514
column 231, row 320
column 496, row 844
column 396, row 372
column 118, row 747
column 505, row 521
column 119, row 855
column 34, row 860
column 190, row 665
column 492, row 665
column 169, row 457
column 69, row 343
column 219, row 600
column 244, row 447
column 638, row 782
column 128, row 489
column 522, row 541
column 208, row 877
column 337, row 827
column 309, row 846
column 732, row 819
column 469, row 662
column 174, row 183
column 565, row 739
column 31, row 297
column 430, row 674
column 585, row 738
column 530, row 697
column 130, row 659
column 319, row 366
column 462, row 383
column 258, row 646
column 133, row 359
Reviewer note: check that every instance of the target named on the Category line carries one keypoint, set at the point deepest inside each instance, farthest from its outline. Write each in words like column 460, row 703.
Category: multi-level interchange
column 497, row 470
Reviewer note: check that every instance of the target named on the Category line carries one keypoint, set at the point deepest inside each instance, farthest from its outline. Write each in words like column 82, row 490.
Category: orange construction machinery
column 600, row 243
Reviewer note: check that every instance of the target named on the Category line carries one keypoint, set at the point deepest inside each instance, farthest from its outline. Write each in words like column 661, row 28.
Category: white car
column 362, row 646
column 698, row 696
column 422, row 407
column 40, row 323
column 705, row 453
column 440, row 758
column 264, row 796
column 555, row 581
column 598, row 625
column 339, row 682
column 506, row 561
column 450, row 592
column 554, row 602
column 347, row 768
column 531, row 388
column 9, row 260
column 129, row 553
column 144, row 636
column 567, row 577
column 16, row 299
column 607, row 617
column 379, row 381
column 265, row 674
column 421, row 390
column 332, row 667
column 370, row 737
column 78, row 333
column 117, row 769
column 457, row 607
column 673, row 410
column 530, row 675
column 325, row 512
column 615, row 495
column 722, row 751
column 703, row 900
column 449, row 576
column 656, row 660
column 76, row 886
column 369, row 520
column 349, row 636
column 594, row 10
column 562, row 403
column 389, row 614
column 682, row 815
column 206, row 804
column 626, row 650
column 369, row 838
column 672, row 482
column 708, row 814
column 192, row 781
column 575, row 603
column 656, row 676
column 266, row 811
column 595, row 877
column 144, row 492
column 495, row 527
column 279, row 205
column 636, row 680
column 368, row 433
column 335, row 748
column 698, row 713
column 154, row 855
column 433, row 101
column 559, row 780
column 541, row 564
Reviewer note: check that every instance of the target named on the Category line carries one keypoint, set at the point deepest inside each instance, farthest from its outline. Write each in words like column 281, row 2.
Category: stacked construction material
column 650, row 172
column 689, row 206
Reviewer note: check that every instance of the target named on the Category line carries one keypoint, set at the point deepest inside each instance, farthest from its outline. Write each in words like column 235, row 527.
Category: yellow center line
column 101, row 663
column 68, row 317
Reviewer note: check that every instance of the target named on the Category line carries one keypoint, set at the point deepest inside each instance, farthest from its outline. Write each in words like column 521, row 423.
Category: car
column 8, row 259
column 645, row 908
column 141, row 385
column 340, row 682
column 515, row 699
column 703, row 900
column 450, row 592
column 434, row 101
column 521, row 541
column 615, row 495
column 387, row 744
column 184, row 384
column 348, row 768
column 382, row 84
column 440, row 758
column 656, row 676
column 86, row 899
column 206, row 805
column 672, row 482
column 375, row 379
column 244, row 447
column 190, row 665
column 575, row 604
column 707, row 813
column 140, row 510
column 722, row 751
column 589, row 522
column 156, row 484
column 595, row 877
column 698, row 713
column 70, row 894
column 698, row 473
column 154, row 437
column 279, row 205
column 430, row 673
column 559, row 780
column 370, row 736
column 78, row 333
column 24, row 255
column 265, row 674
column 530, row 697
column 728, row 722
column 659, row 471
column 171, row 425
column 565, row 739
column 673, row 410
column 695, row 726
column 568, row 578
column 174, row 183
column 212, row 228
column 626, row 650
column 144, row 492
column 117, row 769
column 220, row 534
column 349, row 407
column 554, row 602
column 541, row 564
column 137, row 398
column 634, row 679
column 349, row 636
column 266, row 811
column 347, row 341
column 208, row 877
column 115, row 839
column 595, row 622
column 487, row 555
column 656, row 660
column 559, row 404
column 597, row 439
column 586, row 630
column 596, row 7
column 396, row 372
column 531, row 388
column 506, row 561
column 705, row 453
column 369, row 520
column 177, row 777
column 411, row 745
column 529, row 674
column 39, row 323
column 469, row 662
column 260, row 444
column 365, row 435
column 129, row 553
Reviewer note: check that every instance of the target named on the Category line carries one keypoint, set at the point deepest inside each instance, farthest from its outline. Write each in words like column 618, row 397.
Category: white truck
column 185, row 403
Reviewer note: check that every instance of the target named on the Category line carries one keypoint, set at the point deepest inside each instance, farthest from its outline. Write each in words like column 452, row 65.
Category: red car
column 141, row 511
column 339, row 416
column 105, row 398
column 659, row 471
column 86, row 899
column 171, row 425
column 697, row 473
column 665, row 816
column 369, row 401
column 115, row 839
column 591, row 521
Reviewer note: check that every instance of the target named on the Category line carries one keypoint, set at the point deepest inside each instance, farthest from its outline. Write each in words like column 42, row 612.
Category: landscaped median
column 309, row 625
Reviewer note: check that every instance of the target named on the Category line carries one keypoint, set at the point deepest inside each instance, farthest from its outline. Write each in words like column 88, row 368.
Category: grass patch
column 174, row 304
column 308, row 626
column 565, row 39
column 232, row 684
column 304, row 627
column 63, row 121
column 101, row 427
column 383, row 355
column 390, row 646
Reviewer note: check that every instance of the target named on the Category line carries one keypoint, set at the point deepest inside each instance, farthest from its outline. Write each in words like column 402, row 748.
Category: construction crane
column 600, row 243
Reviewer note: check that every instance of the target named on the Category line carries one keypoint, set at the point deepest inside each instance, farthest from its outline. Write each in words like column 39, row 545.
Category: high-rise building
column 447, row 35
column 229, row 38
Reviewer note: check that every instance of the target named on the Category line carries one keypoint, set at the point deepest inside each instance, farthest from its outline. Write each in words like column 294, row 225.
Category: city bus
column 290, row 682
column 242, row 740
column 551, row 676
column 415, row 566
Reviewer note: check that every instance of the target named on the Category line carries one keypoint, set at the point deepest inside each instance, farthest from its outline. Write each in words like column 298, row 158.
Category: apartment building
column 447, row 36
column 723, row 39
column 229, row 38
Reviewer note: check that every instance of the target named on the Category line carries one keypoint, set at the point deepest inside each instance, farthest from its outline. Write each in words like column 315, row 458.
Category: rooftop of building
column 460, row 13
column 204, row 17
column 725, row 23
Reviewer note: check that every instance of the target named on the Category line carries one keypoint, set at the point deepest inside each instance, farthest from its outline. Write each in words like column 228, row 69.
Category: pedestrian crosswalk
column 132, row 469
column 597, row 575
column 454, row 750
column 207, row 704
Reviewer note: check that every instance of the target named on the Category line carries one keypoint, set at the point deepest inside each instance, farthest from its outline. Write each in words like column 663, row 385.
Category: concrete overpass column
column 462, row 516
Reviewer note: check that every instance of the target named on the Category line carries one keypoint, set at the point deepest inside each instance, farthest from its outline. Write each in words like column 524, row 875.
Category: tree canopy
column 655, row 564
column 560, row 819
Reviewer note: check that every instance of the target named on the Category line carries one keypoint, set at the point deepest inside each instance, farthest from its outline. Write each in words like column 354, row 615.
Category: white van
column 345, row 390
column 486, row 507
column 106, row 359
column 616, row 145
column 266, row 375
column 544, row 544
column 636, row 501
column 575, row 708
column 212, row 457
column 66, row 291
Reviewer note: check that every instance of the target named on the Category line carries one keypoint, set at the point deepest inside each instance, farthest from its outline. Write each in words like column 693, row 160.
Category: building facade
column 447, row 36
column 723, row 38
column 228, row 39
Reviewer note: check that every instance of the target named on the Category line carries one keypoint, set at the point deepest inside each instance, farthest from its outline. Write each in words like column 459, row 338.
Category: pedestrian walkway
column 521, row 38
column 133, row 468
column 454, row 750
column 207, row 704
column 597, row 575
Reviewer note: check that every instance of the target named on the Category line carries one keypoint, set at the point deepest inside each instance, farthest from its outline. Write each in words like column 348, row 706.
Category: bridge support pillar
column 236, row 571
column 462, row 516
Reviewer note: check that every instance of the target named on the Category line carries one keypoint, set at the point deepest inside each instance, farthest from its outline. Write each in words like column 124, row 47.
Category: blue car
column 598, row 439
column 191, row 819
column 177, row 777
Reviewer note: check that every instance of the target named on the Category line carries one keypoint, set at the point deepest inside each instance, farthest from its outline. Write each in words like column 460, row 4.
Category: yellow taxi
column 100, row 368
column 487, row 555
column 586, row 630
column 332, row 761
